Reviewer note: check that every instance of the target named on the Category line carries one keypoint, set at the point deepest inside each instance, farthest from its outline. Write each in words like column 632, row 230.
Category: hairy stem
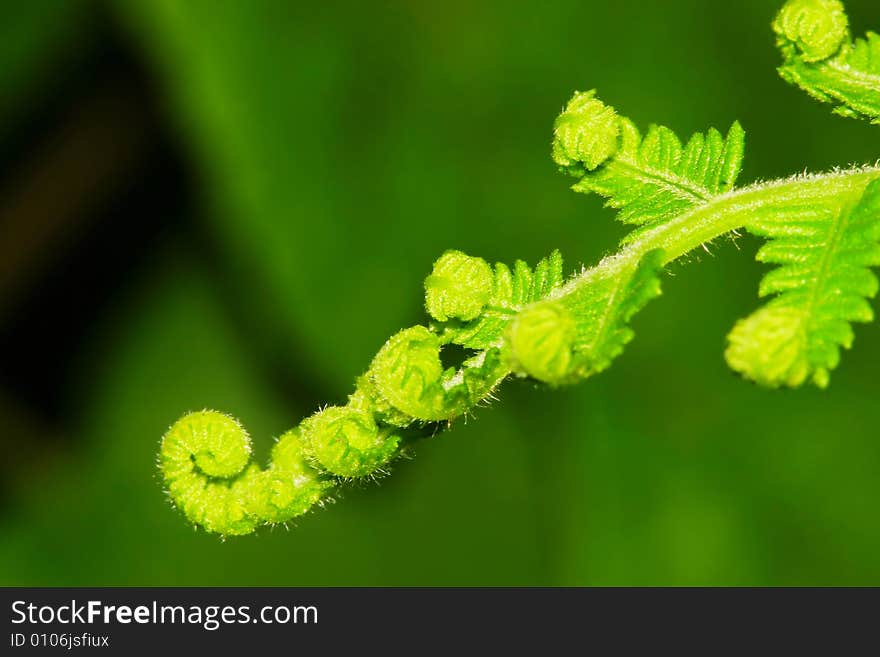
column 726, row 213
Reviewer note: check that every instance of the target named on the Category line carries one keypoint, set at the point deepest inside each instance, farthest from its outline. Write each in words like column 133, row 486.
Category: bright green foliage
column 823, row 229
column 651, row 179
column 820, row 58
column 579, row 334
column 816, row 27
column 203, row 452
column 655, row 178
column 345, row 441
column 604, row 309
column 458, row 288
column 585, row 133
column 408, row 376
column 540, row 342
column 511, row 290
column 822, row 285
column 288, row 487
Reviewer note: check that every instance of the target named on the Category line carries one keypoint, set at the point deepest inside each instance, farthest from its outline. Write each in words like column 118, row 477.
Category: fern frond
column 502, row 292
column 822, row 284
column 408, row 377
column 605, row 308
column 649, row 179
column 655, row 178
column 823, row 232
column 821, row 58
column 579, row 334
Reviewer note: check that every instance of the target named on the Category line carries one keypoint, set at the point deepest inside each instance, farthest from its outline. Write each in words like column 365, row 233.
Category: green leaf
column 512, row 289
column 603, row 310
column 822, row 284
column 653, row 179
column 820, row 58
column 570, row 337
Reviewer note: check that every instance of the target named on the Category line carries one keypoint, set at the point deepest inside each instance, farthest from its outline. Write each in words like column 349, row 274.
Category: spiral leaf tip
column 406, row 374
column 346, row 441
column 530, row 322
column 458, row 288
column 817, row 27
column 204, row 461
column 210, row 442
column 540, row 342
column 586, row 133
column 289, row 487
column 769, row 347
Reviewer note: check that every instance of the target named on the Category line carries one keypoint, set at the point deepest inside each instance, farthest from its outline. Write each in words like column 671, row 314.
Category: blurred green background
column 233, row 204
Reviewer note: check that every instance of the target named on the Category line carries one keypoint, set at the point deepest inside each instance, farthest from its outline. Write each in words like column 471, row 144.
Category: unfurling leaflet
column 820, row 57
column 823, row 232
column 822, row 284
column 405, row 393
column 649, row 179
column 204, row 459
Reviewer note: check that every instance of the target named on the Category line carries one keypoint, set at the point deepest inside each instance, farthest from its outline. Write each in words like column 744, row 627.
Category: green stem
column 726, row 213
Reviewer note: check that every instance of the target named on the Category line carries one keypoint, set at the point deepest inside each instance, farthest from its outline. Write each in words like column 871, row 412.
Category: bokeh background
column 233, row 204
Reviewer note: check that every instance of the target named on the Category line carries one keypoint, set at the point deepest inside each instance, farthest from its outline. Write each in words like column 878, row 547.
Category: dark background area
column 232, row 205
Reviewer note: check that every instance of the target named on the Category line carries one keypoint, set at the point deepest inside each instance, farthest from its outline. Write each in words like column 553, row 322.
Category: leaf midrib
column 680, row 186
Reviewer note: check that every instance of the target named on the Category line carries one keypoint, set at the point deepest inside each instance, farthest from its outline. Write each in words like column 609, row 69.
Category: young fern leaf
column 823, row 230
column 579, row 334
column 408, row 379
column 649, row 180
column 605, row 308
column 820, row 57
column 822, row 285
column 204, row 460
column 495, row 295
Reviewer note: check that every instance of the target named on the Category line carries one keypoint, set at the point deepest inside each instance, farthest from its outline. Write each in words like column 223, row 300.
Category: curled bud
column 368, row 398
column 458, row 288
column 586, row 133
column 770, row 347
column 290, row 486
column 198, row 453
column 220, row 445
column 540, row 342
column 204, row 460
column 346, row 441
column 817, row 27
column 407, row 373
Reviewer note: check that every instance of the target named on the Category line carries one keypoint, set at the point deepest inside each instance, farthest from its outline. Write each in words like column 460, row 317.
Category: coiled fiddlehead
column 824, row 233
column 204, row 459
column 205, row 455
